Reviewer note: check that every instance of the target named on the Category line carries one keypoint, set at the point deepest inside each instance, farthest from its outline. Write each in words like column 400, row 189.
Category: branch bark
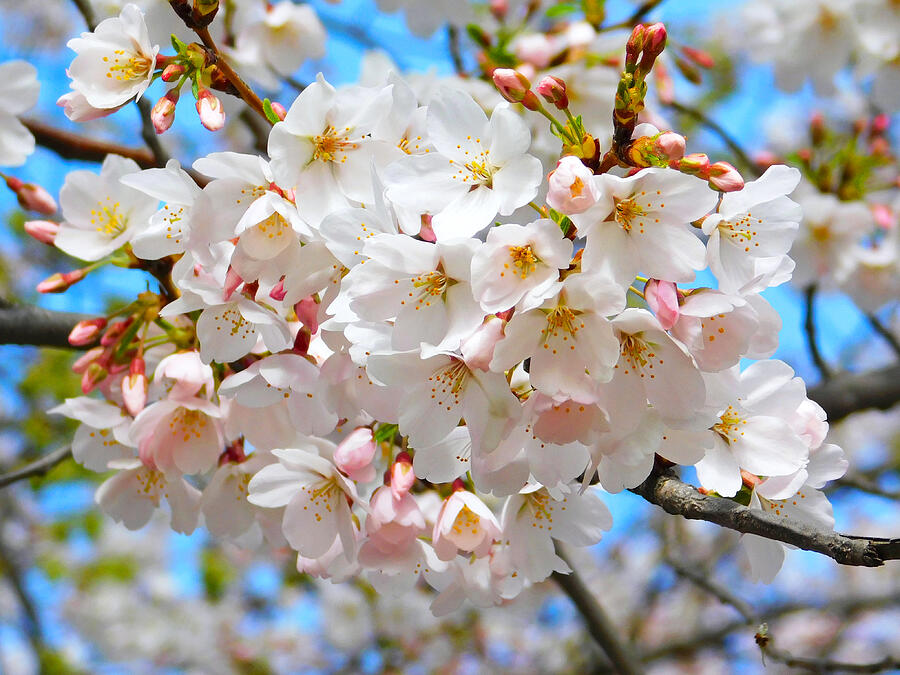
column 37, row 468
column 848, row 393
column 667, row 491
column 598, row 623
column 75, row 146
column 27, row 325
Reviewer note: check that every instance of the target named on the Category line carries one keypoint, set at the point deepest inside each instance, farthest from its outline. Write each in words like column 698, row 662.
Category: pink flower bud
column 695, row 164
column 115, row 331
column 655, row 37
column 163, row 113
column 883, row 216
column 698, row 56
column 134, row 387
column 212, row 115
column 402, row 475
column 512, row 85
column 478, row 349
column 232, row 281
column 725, row 177
column 354, row 455
column 499, row 8
column 279, row 110
column 307, row 311
column 662, row 296
column 570, row 187
column 86, row 332
column 43, row 230
column 553, row 90
column 92, row 376
column 172, row 72
column 426, row 232
column 278, row 292
column 85, row 360
column 302, row 341
column 31, row 197
column 57, row 283
column 671, row 145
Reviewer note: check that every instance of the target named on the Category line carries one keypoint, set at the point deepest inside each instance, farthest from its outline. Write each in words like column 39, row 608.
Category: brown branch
column 38, row 467
column 886, row 333
column 809, row 327
column 599, row 625
column 848, row 393
column 817, row 665
column 28, row 325
column 706, row 121
column 667, row 491
column 706, row 582
column 453, row 44
column 69, row 145
column 244, row 90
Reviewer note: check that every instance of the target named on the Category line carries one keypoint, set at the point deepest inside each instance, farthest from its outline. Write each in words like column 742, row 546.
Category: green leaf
column 271, row 115
column 385, row 432
column 178, row 45
column 560, row 10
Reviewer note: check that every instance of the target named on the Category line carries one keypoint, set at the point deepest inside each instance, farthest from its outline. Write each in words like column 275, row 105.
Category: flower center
column 480, row 172
column 185, row 423
column 135, row 67
column 729, row 424
column 150, row 484
column 330, row 146
column 431, row 285
column 107, row 219
column 626, row 210
column 524, row 260
column 274, row 226
column 577, row 187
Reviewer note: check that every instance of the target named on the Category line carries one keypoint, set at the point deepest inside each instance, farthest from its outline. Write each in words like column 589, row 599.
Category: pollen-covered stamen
column 239, row 325
column 729, row 425
column 150, row 484
column 332, row 146
column 323, row 497
column 186, row 423
column 742, row 232
column 710, row 330
column 466, row 531
column 431, row 286
column 524, row 260
column 541, row 513
column 134, row 67
column 448, row 384
column 174, row 215
column 577, row 187
column 480, row 173
column 563, row 320
column 638, row 355
column 274, row 226
column 251, row 194
column 107, row 219
column 626, row 211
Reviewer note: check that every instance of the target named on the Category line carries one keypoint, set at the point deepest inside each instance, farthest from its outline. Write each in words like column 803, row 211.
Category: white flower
column 464, row 524
column 314, row 495
column 19, row 88
column 115, row 63
column 753, row 229
column 102, row 435
column 641, row 224
column 284, row 37
column 101, row 214
column 480, row 167
column 519, row 263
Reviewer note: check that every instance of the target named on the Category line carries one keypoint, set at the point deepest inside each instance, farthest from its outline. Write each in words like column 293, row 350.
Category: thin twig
column 706, row 583
column 13, row 574
column 455, row 52
column 732, row 144
column 69, row 145
column 243, row 89
column 847, row 393
column 884, row 332
column 148, row 133
column 598, row 623
column 37, row 468
column 817, row 665
column 636, row 16
column 809, row 326
column 864, row 484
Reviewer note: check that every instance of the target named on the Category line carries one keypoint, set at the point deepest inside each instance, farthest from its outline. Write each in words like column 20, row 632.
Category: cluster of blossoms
column 352, row 357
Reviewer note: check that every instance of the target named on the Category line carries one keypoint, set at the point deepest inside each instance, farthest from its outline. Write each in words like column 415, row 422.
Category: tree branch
column 706, row 583
column 704, row 120
column 809, row 327
column 242, row 87
column 848, row 393
column 27, row 325
column 886, row 333
column 75, row 146
column 817, row 665
column 666, row 490
column 595, row 618
column 37, row 468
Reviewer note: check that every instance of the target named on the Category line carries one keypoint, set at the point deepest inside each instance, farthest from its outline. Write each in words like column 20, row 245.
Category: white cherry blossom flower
column 102, row 435
column 19, row 89
column 464, row 524
column 641, row 224
column 115, row 62
column 519, row 263
column 480, row 167
column 284, row 36
column 102, row 214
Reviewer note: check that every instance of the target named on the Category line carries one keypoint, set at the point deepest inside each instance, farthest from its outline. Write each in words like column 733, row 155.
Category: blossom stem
column 222, row 64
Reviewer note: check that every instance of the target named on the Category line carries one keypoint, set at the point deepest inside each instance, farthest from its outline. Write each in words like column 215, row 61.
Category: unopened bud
column 880, row 124
column 59, row 282
column 86, row 332
column 163, row 113
column 402, row 475
column 671, row 145
column 92, row 376
column 725, row 177
column 553, row 90
column 511, row 84
column 655, row 37
column 689, row 70
column 172, row 72
column 498, row 8
column 695, row 164
column 210, row 110
column 278, row 291
column 232, row 281
column 115, row 331
column 32, row 197
column 134, row 387
column 84, row 361
column 478, row 349
column 307, row 311
column 279, row 110
column 662, row 296
column 43, row 230
column 817, row 129
column 354, row 455
column 698, row 56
